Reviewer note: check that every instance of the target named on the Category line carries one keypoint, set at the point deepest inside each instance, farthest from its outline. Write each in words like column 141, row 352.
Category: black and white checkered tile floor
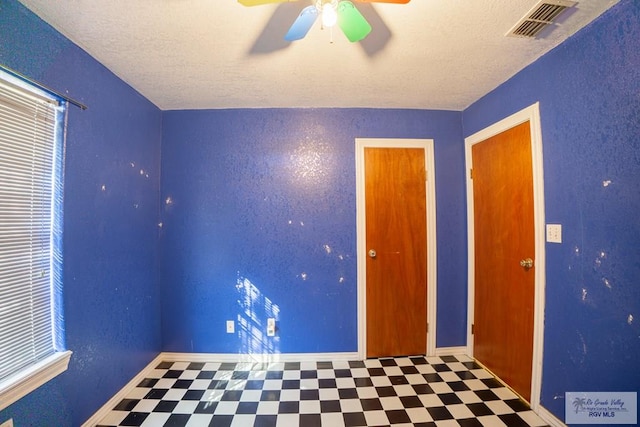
column 406, row 391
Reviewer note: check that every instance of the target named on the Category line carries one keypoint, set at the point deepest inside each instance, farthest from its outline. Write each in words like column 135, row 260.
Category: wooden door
column 396, row 229
column 502, row 179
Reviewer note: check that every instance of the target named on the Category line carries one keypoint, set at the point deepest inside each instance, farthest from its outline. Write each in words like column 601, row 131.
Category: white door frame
column 427, row 145
column 531, row 114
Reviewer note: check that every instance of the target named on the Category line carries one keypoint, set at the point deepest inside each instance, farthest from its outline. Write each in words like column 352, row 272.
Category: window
column 31, row 158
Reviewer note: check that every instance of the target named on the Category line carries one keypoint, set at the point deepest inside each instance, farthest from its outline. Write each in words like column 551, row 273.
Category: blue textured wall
column 589, row 93
column 258, row 213
column 111, row 296
column 263, row 202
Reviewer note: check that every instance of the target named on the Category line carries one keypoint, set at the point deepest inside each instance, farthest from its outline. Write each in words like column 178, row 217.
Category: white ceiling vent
column 539, row 17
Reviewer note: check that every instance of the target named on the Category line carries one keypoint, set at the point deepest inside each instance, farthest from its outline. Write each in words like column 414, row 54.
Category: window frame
column 32, row 376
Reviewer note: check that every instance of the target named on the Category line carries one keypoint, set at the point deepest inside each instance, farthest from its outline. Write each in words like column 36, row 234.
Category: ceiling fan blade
column 384, row 1
column 260, row 2
column 302, row 24
column 351, row 22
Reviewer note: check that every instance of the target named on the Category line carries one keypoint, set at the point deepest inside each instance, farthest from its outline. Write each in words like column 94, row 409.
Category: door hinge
column 427, row 328
column 471, row 173
column 473, row 329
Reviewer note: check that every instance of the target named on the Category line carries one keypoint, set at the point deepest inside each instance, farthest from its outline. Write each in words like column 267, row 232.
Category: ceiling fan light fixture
column 329, row 15
column 342, row 13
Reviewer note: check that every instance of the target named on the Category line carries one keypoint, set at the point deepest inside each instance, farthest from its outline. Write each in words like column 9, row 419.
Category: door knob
column 372, row 253
column 526, row 263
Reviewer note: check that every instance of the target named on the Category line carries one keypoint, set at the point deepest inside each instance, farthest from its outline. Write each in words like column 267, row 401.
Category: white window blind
column 28, row 132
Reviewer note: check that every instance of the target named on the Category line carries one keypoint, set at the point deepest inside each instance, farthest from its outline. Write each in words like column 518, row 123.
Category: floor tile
column 405, row 391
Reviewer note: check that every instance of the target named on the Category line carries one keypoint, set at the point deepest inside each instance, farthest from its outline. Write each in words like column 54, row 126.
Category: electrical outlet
column 271, row 327
column 554, row 233
column 231, row 328
column 8, row 423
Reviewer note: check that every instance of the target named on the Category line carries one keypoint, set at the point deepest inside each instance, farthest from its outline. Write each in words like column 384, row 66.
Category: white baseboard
column 124, row 391
column 549, row 418
column 449, row 351
column 258, row 358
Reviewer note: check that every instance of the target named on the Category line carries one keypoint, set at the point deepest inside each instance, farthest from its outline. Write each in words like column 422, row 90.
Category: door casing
column 427, row 145
column 531, row 114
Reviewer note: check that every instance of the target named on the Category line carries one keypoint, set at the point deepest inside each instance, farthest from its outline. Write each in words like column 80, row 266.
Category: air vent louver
column 539, row 18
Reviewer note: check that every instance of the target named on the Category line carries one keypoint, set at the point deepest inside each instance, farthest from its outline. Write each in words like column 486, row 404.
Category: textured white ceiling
column 197, row 54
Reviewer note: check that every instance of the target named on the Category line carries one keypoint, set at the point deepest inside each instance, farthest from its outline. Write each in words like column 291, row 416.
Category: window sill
column 19, row 385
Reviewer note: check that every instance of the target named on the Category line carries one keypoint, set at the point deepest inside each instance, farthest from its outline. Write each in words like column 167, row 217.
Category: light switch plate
column 231, row 328
column 554, row 233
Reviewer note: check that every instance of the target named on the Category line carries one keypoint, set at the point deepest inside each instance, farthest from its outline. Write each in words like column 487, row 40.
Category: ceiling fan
column 342, row 12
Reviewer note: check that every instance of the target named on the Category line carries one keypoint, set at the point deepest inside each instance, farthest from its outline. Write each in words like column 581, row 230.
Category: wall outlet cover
column 231, row 328
column 271, row 327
